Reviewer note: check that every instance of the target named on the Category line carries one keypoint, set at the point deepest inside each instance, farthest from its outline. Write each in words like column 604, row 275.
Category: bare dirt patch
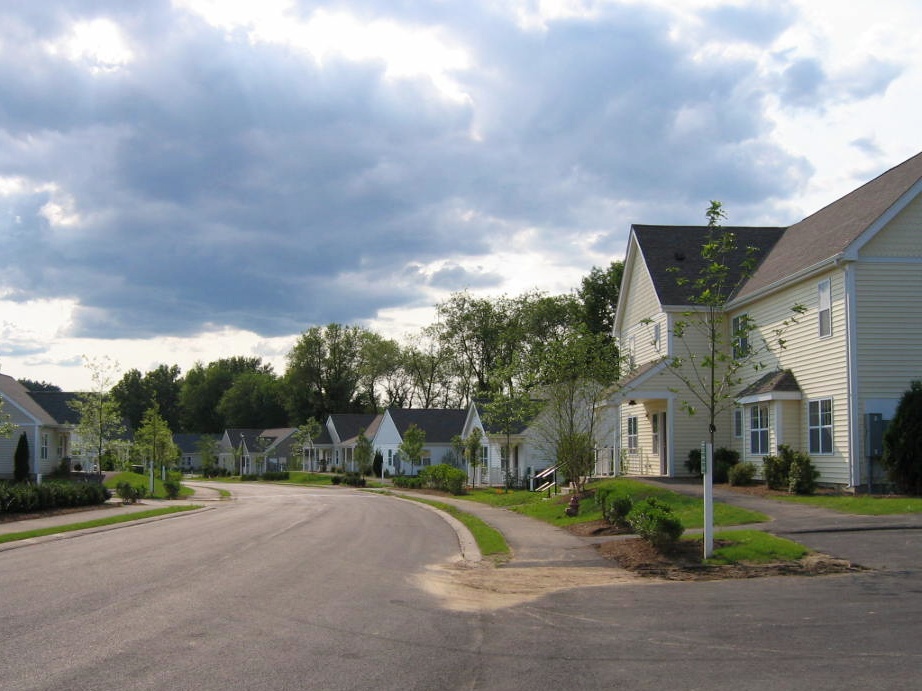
column 466, row 587
column 684, row 562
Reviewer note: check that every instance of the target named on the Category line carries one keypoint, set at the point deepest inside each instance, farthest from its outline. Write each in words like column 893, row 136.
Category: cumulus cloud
column 180, row 168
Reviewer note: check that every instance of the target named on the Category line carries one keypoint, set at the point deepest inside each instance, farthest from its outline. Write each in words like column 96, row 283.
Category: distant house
column 342, row 433
column 256, row 451
column 190, row 456
column 440, row 427
column 48, row 426
column 856, row 266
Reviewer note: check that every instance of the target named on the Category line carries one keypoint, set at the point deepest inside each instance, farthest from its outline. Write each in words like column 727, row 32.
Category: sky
column 186, row 180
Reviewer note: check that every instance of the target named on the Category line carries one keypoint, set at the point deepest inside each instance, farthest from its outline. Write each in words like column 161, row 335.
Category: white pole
column 707, row 463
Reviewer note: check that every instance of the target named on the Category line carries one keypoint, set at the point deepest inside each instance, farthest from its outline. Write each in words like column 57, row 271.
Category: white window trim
column 820, row 427
column 759, row 430
column 824, row 305
column 633, row 438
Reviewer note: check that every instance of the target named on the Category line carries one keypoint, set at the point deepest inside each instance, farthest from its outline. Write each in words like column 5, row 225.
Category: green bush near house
column 654, row 521
column 53, row 494
column 742, row 474
column 790, row 471
column 444, row 477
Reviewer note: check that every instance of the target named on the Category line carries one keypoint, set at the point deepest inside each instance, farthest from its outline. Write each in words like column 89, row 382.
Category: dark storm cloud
column 223, row 182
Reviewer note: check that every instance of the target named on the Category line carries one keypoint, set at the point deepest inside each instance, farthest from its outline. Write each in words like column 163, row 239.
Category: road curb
column 470, row 552
column 27, row 542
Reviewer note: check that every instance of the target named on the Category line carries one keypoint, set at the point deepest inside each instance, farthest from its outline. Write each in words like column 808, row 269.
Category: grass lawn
column 863, row 505
column 109, row 520
column 754, row 547
column 689, row 510
column 143, row 482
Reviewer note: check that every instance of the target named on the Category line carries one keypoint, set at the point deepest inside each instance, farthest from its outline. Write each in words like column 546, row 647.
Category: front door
column 658, row 428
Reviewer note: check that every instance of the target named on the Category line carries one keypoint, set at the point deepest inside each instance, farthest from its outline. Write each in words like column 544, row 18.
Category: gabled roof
column 348, row 425
column 250, row 437
column 780, row 384
column 829, row 232
column 56, row 404
column 440, row 424
column 14, row 392
column 188, row 441
column 671, row 253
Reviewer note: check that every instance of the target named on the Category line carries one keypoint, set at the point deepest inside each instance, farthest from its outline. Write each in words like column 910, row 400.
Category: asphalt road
column 291, row 588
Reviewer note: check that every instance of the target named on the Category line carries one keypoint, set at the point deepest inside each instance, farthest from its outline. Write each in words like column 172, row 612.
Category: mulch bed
column 683, row 562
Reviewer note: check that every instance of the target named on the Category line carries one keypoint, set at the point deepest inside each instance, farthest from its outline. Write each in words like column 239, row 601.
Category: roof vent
column 679, row 256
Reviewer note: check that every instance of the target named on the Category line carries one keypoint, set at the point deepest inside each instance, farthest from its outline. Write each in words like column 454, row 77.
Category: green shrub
column 354, row 479
column 724, row 459
column 52, row 494
column 777, row 469
column 803, row 475
column 172, row 488
column 741, row 474
column 790, row 471
column 128, row 493
column 654, row 522
column 693, row 462
column 276, row 476
column 444, row 477
column 902, row 455
column 615, row 507
column 408, row 482
column 336, row 479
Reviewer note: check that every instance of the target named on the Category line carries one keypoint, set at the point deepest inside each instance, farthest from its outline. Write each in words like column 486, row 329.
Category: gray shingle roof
column 832, row 229
column 773, row 382
column 440, row 425
column 56, row 404
column 674, row 252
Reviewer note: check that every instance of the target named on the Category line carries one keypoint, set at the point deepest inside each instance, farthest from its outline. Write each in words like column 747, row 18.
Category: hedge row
column 52, row 494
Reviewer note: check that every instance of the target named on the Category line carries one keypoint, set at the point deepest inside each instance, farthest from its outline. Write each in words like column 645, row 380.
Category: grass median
column 96, row 523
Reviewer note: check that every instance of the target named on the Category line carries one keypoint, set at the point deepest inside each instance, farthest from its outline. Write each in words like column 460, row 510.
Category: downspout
column 851, row 359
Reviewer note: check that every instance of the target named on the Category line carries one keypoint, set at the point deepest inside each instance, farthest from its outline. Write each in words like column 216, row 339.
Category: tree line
column 485, row 348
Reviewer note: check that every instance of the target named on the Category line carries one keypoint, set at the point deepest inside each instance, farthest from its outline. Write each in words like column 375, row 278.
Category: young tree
column 304, row 437
column 472, row 449
column 21, row 460
column 154, row 440
column 903, row 442
column 508, row 414
column 411, row 448
column 99, row 414
column 712, row 377
column 207, row 447
column 579, row 371
column 364, row 453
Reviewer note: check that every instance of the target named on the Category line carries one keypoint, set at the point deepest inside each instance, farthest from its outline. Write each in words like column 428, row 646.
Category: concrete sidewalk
column 533, row 542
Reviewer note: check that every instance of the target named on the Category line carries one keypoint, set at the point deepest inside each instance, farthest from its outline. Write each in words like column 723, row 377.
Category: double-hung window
column 758, row 430
column 632, row 436
column 824, row 311
column 819, row 425
column 741, row 330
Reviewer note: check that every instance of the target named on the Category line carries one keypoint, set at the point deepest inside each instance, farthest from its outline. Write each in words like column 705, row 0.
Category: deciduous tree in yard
column 363, row 454
column 100, row 417
column 711, row 378
column 411, row 448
